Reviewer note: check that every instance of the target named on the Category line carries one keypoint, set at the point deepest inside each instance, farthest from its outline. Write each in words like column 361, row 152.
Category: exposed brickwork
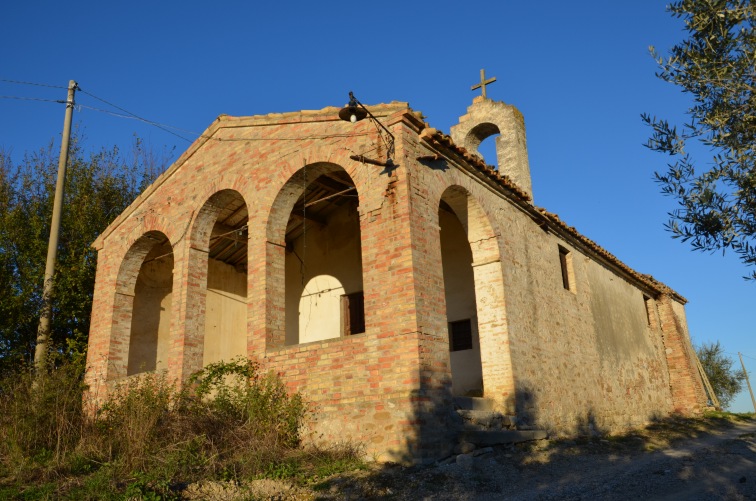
column 688, row 393
column 555, row 358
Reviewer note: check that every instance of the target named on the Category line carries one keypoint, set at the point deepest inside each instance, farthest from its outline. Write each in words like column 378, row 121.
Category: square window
column 353, row 313
column 460, row 335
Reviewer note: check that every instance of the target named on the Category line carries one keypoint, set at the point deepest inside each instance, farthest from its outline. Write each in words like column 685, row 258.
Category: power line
column 134, row 117
column 33, row 99
column 164, row 127
column 155, row 124
column 32, row 83
column 303, row 138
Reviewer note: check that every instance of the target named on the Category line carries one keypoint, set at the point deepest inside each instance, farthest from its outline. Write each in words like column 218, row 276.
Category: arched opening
column 487, row 150
column 474, row 285
column 484, row 140
column 225, row 334
column 150, row 312
column 461, row 305
column 323, row 257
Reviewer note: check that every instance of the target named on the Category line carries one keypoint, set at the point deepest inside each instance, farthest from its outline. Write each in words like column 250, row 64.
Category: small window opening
column 460, row 335
column 565, row 262
column 353, row 313
column 649, row 309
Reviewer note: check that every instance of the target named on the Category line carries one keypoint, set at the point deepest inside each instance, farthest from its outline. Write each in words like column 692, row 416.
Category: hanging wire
column 131, row 117
column 34, row 99
column 155, row 124
column 165, row 127
column 33, row 83
column 304, row 223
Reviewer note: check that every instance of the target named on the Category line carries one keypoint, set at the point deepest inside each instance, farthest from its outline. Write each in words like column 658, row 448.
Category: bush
column 230, row 422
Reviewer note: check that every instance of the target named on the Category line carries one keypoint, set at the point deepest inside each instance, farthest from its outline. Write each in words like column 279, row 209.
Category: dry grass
column 151, row 440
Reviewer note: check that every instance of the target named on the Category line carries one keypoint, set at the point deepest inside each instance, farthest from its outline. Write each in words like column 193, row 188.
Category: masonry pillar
column 188, row 322
column 498, row 381
column 686, row 386
column 101, row 330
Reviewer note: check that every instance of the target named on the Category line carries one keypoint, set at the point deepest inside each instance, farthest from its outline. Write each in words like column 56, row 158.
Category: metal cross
column 483, row 82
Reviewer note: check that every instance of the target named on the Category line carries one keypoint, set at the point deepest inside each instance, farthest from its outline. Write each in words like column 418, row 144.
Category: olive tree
column 715, row 66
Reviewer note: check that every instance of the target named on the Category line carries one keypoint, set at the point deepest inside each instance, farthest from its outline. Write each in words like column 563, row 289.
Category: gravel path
column 708, row 460
column 716, row 464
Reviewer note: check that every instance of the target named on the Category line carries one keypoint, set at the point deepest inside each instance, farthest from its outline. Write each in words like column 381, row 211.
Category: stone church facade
column 385, row 291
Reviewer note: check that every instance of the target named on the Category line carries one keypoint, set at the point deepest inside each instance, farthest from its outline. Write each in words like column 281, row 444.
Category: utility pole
column 43, row 332
column 748, row 382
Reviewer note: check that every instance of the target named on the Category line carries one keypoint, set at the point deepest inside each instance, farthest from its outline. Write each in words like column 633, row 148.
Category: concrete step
column 474, row 403
column 501, row 437
column 485, row 420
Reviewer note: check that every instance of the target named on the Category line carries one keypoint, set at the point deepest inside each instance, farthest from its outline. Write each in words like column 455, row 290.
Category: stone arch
column 472, row 269
column 478, row 134
column 487, row 117
column 142, row 309
column 218, row 265
column 313, row 229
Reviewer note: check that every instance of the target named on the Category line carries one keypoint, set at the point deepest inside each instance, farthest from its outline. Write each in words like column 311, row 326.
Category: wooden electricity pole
column 748, row 381
column 43, row 332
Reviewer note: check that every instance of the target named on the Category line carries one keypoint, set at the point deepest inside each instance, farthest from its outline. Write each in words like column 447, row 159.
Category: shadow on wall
column 439, row 426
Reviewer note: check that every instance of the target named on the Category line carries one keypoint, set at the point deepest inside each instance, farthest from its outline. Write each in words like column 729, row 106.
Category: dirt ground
column 705, row 459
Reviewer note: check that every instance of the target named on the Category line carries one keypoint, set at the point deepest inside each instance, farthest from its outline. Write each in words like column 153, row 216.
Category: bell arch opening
column 483, row 139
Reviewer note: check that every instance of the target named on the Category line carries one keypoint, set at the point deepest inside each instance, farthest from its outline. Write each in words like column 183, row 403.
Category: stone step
column 501, row 437
column 485, row 420
column 474, row 403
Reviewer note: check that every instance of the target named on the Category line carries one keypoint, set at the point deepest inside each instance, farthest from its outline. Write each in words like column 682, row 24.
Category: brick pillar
column 188, row 322
column 686, row 386
column 100, row 331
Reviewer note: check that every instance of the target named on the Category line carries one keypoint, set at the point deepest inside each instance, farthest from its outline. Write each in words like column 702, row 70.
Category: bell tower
column 486, row 117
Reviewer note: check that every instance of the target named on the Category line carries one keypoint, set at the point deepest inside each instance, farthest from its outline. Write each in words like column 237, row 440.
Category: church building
column 391, row 276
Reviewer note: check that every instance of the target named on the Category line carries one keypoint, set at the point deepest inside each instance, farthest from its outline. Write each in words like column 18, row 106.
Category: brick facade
column 551, row 357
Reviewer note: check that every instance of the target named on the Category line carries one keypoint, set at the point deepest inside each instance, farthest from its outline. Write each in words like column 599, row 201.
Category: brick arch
column 289, row 193
column 275, row 231
column 206, row 216
column 483, row 239
column 125, row 292
column 498, row 379
column 153, row 222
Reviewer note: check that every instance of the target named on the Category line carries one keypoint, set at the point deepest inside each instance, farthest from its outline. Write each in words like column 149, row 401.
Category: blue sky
column 579, row 71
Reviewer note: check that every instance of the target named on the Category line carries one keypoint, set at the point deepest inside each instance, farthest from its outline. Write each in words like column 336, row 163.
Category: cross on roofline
column 483, row 82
